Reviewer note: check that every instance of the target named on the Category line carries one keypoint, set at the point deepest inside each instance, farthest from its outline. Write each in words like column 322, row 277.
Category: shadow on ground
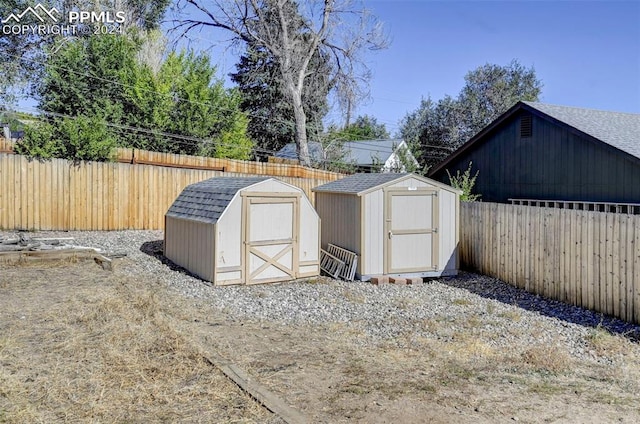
column 156, row 249
column 492, row 288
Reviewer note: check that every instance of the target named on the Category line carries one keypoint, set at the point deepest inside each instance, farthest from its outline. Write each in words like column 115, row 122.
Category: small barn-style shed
column 243, row 231
column 398, row 224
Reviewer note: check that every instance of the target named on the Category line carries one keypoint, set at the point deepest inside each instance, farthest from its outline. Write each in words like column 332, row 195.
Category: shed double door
column 411, row 226
column 270, row 238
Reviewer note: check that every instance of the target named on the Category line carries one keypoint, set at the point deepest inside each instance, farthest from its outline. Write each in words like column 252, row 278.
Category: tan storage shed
column 243, row 231
column 398, row 224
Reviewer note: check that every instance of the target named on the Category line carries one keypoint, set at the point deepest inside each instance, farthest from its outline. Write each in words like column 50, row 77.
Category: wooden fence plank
column 611, row 294
column 520, row 231
column 628, row 266
column 615, row 264
column 589, row 262
column 621, row 272
column 635, row 246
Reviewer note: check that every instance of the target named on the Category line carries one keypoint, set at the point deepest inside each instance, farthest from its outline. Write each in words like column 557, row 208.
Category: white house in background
column 366, row 155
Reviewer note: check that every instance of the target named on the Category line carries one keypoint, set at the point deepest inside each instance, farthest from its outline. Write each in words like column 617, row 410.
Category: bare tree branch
column 339, row 31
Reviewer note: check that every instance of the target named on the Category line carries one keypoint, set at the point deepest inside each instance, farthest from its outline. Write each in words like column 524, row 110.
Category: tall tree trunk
column 301, row 126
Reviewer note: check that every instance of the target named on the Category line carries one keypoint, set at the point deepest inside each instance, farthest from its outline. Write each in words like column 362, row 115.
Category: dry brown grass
column 607, row 344
column 546, row 358
column 95, row 346
column 103, row 349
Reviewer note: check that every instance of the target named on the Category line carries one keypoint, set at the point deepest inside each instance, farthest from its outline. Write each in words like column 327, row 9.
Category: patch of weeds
column 546, row 358
column 262, row 294
column 6, row 342
column 462, row 302
column 424, row 387
column 404, row 303
column 545, row 388
column 460, row 371
column 512, row 315
column 356, row 389
column 355, row 368
column 605, row 343
column 353, row 297
column 611, row 399
column 491, row 308
column 473, row 322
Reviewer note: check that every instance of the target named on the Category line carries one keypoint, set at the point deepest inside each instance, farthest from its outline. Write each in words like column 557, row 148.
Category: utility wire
column 180, row 99
column 194, row 141
column 148, row 134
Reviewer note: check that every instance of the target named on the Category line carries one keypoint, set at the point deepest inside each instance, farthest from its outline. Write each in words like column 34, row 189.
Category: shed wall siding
column 273, row 186
column 555, row 163
column 190, row 245
column 230, row 249
column 309, row 241
column 447, row 231
column 372, row 261
column 410, row 182
column 340, row 220
column 172, row 246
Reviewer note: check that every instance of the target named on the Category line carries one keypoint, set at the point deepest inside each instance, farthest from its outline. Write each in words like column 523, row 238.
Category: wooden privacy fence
column 228, row 165
column 61, row 195
column 589, row 259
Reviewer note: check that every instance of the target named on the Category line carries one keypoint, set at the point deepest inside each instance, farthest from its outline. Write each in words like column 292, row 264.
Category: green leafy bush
column 465, row 182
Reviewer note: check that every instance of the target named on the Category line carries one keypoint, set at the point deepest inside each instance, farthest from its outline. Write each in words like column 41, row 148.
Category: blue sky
column 587, row 53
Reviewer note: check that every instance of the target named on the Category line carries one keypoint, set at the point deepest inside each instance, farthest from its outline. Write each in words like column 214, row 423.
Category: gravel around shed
column 375, row 313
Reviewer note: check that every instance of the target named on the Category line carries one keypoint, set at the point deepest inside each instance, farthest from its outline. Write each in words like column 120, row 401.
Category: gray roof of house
column 358, row 183
column 364, row 152
column 620, row 130
column 289, row 151
column 205, row 201
column 359, row 152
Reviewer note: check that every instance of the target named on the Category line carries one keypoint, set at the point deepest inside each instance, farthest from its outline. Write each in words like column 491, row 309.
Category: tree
column 339, row 32
column 431, row 130
column 365, row 127
column 271, row 117
column 490, row 90
column 434, row 130
column 20, row 55
column 23, row 55
column 180, row 108
column 78, row 138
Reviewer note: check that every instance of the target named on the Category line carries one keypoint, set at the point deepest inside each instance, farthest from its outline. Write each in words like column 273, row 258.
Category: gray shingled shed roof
column 358, row 183
column 205, row 201
column 620, row 130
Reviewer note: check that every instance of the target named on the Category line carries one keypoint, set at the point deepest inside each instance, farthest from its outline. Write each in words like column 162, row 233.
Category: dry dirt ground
column 80, row 344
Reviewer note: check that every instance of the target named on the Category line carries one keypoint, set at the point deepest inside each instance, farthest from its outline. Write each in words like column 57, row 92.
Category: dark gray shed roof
column 621, row 130
column 358, row 183
column 205, row 201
